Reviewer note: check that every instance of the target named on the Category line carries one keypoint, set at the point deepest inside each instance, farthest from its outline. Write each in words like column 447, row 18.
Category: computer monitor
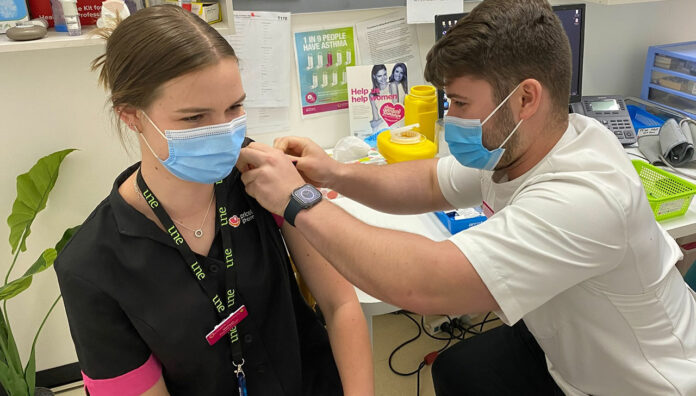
column 572, row 18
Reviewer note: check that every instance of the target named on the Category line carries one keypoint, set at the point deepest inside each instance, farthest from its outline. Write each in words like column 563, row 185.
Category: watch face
column 307, row 194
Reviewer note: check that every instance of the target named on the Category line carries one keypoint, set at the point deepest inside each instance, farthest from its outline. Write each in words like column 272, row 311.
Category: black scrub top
column 128, row 294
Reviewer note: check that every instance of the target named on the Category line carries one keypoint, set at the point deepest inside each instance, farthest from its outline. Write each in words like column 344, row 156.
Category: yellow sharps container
column 421, row 108
column 404, row 145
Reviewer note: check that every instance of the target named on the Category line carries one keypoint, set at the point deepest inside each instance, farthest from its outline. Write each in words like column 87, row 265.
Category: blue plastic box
column 644, row 122
column 461, row 219
column 670, row 77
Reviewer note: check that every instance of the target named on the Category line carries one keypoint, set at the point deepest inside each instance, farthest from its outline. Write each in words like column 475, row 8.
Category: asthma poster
column 322, row 58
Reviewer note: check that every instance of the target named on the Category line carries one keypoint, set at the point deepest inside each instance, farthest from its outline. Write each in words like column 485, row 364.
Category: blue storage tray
column 455, row 223
column 643, row 121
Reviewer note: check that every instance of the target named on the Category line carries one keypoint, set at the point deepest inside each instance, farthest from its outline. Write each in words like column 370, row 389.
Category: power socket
column 433, row 323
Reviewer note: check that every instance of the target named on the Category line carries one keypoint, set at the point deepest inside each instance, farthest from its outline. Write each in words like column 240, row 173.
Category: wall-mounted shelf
column 61, row 39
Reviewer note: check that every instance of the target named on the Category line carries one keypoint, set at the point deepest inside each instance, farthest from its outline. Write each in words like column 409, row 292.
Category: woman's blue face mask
column 465, row 140
column 205, row 154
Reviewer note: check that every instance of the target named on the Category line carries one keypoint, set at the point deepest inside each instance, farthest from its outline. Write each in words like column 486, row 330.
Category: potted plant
column 33, row 189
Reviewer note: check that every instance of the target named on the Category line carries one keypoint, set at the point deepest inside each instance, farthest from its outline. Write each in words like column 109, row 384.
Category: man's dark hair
column 505, row 42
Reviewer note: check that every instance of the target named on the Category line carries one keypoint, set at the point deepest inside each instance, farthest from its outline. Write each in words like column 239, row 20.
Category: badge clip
column 241, row 379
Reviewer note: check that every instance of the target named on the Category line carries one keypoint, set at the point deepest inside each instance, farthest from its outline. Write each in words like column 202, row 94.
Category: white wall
column 49, row 101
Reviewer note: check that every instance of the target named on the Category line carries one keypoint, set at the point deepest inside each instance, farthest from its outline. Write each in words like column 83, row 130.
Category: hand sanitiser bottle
column 72, row 18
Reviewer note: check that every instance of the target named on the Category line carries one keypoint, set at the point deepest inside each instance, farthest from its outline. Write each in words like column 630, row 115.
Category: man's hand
column 314, row 165
column 269, row 176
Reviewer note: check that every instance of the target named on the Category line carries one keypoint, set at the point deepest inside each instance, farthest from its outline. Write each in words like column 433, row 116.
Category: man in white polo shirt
column 570, row 248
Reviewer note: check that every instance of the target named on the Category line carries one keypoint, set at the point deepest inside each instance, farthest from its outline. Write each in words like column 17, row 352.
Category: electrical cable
column 675, row 170
column 391, row 356
column 430, row 357
column 636, row 155
column 449, row 327
column 420, row 365
column 471, row 329
column 483, row 322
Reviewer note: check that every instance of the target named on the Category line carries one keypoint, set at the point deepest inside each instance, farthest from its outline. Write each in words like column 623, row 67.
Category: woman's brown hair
column 151, row 47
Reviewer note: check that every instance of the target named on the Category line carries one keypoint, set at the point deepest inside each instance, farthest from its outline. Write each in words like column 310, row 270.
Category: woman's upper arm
column 328, row 287
column 111, row 353
column 158, row 389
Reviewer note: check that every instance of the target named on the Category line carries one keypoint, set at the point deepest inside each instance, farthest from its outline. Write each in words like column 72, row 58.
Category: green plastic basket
column 669, row 196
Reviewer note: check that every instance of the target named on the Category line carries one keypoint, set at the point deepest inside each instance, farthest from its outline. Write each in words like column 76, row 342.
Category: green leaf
column 13, row 359
column 5, row 375
column 66, row 237
column 33, row 189
column 44, row 261
column 12, row 383
column 3, row 338
column 30, row 372
column 30, row 369
column 16, row 386
column 15, row 287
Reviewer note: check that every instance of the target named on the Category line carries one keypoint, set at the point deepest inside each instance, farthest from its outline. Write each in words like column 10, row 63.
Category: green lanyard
column 223, row 305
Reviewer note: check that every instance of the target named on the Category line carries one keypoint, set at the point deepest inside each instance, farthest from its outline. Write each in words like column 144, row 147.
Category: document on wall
column 322, row 56
column 260, row 43
column 424, row 11
column 389, row 39
column 267, row 119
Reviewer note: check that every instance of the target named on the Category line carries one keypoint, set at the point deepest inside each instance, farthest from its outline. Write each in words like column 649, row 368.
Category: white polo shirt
column 574, row 250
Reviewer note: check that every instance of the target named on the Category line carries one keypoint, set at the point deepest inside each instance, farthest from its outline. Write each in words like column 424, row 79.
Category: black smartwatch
column 302, row 198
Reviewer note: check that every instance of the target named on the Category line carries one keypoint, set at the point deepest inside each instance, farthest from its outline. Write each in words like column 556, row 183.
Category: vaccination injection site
column 359, row 198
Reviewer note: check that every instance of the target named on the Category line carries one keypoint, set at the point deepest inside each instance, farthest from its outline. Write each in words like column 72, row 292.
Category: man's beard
column 501, row 125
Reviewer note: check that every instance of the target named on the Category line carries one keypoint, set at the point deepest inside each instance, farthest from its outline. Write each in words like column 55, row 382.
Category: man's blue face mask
column 205, row 154
column 465, row 140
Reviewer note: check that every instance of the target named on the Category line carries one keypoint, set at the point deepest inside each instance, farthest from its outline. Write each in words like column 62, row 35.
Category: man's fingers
column 260, row 147
column 291, row 145
column 249, row 176
column 249, row 158
column 281, row 143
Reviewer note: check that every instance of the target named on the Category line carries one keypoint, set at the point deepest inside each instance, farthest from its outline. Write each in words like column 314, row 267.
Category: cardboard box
column 461, row 219
column 209, row 12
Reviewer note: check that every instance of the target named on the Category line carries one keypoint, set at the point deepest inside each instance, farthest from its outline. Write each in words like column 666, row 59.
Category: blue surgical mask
column 465, row 140
column 205, row 154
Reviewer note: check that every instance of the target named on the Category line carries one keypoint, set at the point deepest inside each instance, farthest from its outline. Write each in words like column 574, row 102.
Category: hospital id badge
column 226, row 325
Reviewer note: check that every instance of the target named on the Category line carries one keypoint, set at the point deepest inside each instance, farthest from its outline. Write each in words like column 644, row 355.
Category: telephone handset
column 611, row 111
